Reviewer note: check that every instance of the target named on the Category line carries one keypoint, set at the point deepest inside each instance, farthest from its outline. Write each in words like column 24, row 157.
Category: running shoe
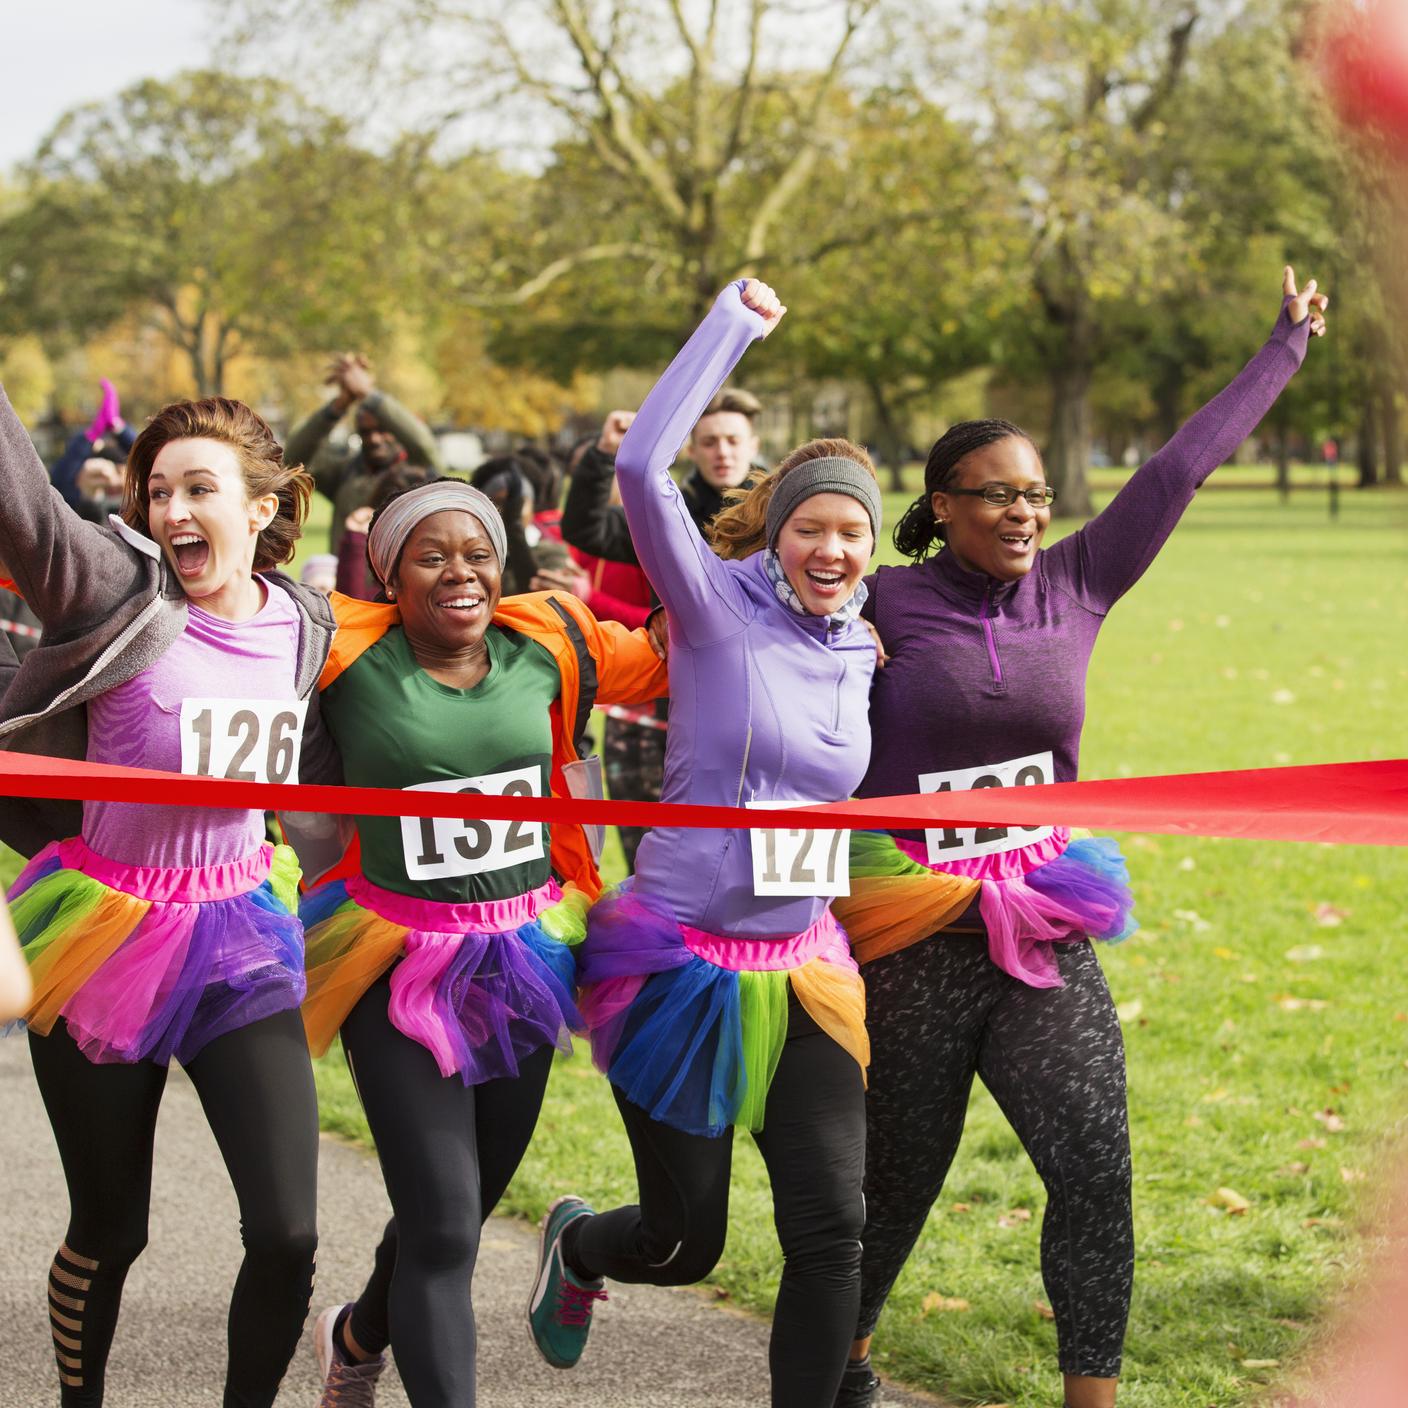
column 859, row 1386
column 345, row 1385
column 560, row 1307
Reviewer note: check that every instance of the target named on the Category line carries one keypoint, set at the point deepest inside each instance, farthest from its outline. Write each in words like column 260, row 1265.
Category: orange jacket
column 627, row 672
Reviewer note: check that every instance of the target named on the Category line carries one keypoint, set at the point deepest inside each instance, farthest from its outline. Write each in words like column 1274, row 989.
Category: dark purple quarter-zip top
column 983, row 672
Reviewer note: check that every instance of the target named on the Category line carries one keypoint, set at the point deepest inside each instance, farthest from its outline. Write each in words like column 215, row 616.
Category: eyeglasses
column 1005, row 495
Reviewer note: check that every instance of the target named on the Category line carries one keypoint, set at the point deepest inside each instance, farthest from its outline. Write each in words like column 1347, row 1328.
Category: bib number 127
column 800, row 862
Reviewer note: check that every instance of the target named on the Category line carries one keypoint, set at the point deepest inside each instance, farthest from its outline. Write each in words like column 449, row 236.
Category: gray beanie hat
column 395, row 523
column 833, row 475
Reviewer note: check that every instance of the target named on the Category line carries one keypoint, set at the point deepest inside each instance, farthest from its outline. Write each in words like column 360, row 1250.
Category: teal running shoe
column 560, row 1308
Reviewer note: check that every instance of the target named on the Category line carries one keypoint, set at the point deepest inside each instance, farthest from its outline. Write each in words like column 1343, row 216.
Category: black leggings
column 447, row 1153
column 256, row 1088
column 813, row 1144
column 940, row 1012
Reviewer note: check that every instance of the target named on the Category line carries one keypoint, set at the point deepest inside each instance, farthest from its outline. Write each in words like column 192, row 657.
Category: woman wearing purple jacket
column 718, row 988
column 976, row 942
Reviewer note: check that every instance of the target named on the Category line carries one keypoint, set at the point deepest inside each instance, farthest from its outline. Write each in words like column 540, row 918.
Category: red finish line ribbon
column 1346, row 803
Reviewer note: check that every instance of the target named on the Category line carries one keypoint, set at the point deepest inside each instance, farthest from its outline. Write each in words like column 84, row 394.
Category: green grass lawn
column 1263, row 1001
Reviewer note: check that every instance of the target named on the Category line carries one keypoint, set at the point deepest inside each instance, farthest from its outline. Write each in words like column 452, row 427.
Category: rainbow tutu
column 479, row 985
column 1058, row 890
column 690, row 1025
column 144, row 962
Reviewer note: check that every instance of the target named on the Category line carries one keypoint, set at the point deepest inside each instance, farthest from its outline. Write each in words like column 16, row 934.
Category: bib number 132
column 437, row 847
column 962, row 842
column 800, row 862
column 243, row 740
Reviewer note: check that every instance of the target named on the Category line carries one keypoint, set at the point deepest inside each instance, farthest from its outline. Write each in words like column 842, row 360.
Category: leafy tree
column 227, row 211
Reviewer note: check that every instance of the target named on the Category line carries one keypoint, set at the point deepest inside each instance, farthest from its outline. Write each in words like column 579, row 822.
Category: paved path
column 650, row 1348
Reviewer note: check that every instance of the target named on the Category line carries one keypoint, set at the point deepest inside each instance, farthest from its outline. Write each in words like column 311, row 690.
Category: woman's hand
column 762, row 300
column 881, row 654
column 1308, row 303
column 359, row 520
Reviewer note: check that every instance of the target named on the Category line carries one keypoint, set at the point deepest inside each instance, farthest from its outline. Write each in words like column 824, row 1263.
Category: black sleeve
column 590, row 521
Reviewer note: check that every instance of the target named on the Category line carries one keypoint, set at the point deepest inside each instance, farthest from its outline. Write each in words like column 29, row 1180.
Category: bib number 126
column 243, row 740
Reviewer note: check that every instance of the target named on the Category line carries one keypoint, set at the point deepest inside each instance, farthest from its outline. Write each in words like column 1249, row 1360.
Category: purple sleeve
column 1103, row 560
column 696, row 587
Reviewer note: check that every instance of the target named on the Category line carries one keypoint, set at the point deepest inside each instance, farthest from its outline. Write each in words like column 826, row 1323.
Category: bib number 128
column 962, row 842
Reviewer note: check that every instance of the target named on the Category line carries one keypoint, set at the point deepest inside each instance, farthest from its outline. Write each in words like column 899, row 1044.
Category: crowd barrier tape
column 1362, row 803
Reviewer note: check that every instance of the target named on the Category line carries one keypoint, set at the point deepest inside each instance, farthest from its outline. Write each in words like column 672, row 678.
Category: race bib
column 799, row 862
column 958, row 843
column 437, row 847
column 242, row 740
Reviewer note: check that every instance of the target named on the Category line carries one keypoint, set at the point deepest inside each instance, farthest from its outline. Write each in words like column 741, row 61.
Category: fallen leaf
column 1282, row 696
column 1193, row 1121
column 1312, row 1143
column 1193, row 919
column 1322, row 1222
column 1230, row 1200
column 1044, row 1310
column 1221, row 952
column 1294, row 1170
column 1213, row 1096
column 1400, row 1016
column 1305, row 953
column 1129, row 1011
column 963, row 1207
column 934, row 1301
column 1353, row 1175
column 1187, row 863
column 1261, row 1363
column 1332, row 1122
column 1330, row 916
column 721, row 1294
column 1015, row 1217
column 1288, row 1002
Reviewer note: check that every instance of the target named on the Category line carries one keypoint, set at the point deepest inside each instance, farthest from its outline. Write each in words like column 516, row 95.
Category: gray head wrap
column 833, row 475
column 395, row 523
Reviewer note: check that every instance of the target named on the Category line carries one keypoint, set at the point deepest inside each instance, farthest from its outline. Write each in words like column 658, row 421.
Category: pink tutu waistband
column 825, row 939
column 193, row 885
column 437, row 917
column 1003, row 865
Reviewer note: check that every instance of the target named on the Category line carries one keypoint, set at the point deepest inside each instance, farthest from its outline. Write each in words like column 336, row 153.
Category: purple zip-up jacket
column 764, row 704
column 983, row 671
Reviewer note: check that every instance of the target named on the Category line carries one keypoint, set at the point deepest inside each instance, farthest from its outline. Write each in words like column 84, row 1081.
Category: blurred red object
column 1364, row 56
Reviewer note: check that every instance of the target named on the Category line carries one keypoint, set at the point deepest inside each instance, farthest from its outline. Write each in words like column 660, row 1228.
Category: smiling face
column 447, row 582
column 724, row 446
column 200, row 514
column 983, row 537
column 824, row 548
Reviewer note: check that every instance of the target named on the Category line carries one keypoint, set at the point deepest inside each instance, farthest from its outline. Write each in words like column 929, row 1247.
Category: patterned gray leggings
column 940, row 1012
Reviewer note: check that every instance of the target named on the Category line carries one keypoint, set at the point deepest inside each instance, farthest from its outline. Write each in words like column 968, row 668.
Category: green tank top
column 395, row 726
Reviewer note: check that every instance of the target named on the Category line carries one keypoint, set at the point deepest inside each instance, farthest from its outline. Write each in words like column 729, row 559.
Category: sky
column 58, row 54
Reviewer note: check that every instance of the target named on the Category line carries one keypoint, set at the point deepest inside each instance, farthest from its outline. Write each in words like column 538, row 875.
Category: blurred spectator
column 320, row 572
column 389, row 435
column 354, row 573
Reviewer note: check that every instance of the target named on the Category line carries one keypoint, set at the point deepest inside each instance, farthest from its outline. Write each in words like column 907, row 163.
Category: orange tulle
column 885, row 913
column 67, row 963
column 346, row 954
column 834, row 997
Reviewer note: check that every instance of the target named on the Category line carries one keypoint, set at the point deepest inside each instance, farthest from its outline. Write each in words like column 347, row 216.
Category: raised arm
column 695, row 586
column 1101, row 561
column 590, row 521
column 55, row 558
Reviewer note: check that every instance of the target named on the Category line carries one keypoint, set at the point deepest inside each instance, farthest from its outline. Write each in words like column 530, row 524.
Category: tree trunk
column 1068, row 449
column 889, row 436
column 1168, row 401
column 1367, row 450
column 1392, row 433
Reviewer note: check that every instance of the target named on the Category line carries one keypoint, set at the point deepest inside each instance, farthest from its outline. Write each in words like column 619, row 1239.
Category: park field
column 1263, row 1000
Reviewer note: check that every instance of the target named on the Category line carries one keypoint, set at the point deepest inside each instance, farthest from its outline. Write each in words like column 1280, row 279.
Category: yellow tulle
column 345, row 955
column 835, row 1000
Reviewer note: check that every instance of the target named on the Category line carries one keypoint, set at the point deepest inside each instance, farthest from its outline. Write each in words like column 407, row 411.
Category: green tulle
column 48, row 911
column 284, row 875
column 874, row 853
column 762, row 1001
column 566, row 921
